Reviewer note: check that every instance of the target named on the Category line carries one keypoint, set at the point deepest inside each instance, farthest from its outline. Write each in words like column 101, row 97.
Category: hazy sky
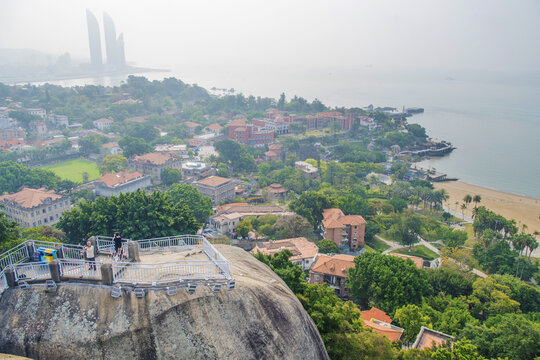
column 454, row 34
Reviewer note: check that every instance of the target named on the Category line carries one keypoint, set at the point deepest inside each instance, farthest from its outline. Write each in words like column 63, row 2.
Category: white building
column 102, row 124
column 38, row 112
column 303, row 251
column 122, row 182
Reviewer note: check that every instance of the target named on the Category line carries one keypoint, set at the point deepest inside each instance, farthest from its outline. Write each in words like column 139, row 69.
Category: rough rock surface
column 260, row 319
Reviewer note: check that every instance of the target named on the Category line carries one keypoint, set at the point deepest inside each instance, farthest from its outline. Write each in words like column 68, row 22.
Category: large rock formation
column 260, row 319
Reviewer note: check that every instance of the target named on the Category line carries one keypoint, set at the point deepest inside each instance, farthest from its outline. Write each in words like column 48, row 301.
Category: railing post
column 133, row 251
column 107, row 276
column 54, row 268
column 60, row 251
column 30, row 249
column 11, row 279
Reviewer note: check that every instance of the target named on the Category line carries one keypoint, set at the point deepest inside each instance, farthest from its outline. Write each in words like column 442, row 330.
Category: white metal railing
column 183, row 242
column 3, row 282
column 216, row 257
column 106, row 243
column 32, row 271
column 138, row 273
column 14, row 256
column 80, row 269
column 72, row 251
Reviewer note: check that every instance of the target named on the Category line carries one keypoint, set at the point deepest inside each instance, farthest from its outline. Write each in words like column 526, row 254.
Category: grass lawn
column 377, row 245
column 418, row 250
column 369, row 249
column 470, row 236
column 73, row 169
column 438, row 246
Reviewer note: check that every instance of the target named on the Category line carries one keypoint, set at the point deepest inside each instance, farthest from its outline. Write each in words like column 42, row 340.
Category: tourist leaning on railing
column 90, row 255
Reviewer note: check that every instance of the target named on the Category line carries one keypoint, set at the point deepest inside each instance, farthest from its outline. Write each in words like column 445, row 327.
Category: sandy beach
column 524, row 210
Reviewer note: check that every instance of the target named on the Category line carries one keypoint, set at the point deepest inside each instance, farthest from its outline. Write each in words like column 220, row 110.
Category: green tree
column 14, row 175
column 327, row 246
column 144, row 131
column 291, row 226
column 91, row 144
column 388, row 282
column 9, row 233
column 132, row 146
column 310, row 205
column 113, row 164
column 244, row 227
column 223, row 170
column 170, row 176
column 411, row 318
column 449, row 280
column 136, row 215
column 187, row 195
column 289, row 272
column 461, row 350
column 490, row 298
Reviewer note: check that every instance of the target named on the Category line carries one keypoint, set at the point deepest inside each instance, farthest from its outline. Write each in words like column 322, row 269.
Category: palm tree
column 476, row 199
column 463, row 207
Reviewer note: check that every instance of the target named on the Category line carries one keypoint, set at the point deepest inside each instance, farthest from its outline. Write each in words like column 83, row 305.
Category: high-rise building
column 114, row 46
column 94, row 41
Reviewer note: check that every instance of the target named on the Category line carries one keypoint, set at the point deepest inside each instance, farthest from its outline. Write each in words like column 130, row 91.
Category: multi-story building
column 332, row 270
column 197, row 169
column 121, row 182
column 37, row 112
column 347, row 231
column 40, row 128
column 102, row 124
column 217, row 188
column 152, row 164
column 303, row 251
column 228, row 216
column 34, row 207
column 309, row 170
column 58, row 120
column 250, row 134
column 12, row 133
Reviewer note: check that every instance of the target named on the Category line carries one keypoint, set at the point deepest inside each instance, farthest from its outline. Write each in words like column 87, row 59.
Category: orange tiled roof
column 277, row 188
column 418, row 261
column 275, row 147
column 336, row 265
column 110, row 145
column 191, row 124
column 392, row 332
column 214, row 127
column 102, row 120
column 153, row 158
column 213, row 181
column 238, row 122
column 375, row 313
column 29, row 198
column 112, row 180
column 301, row 248
column 334, row 218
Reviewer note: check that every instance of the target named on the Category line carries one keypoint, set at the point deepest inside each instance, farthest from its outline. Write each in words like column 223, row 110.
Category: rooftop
column 102, row 120
column 214, row 127
column 29, row 198
column 335, row 218
column 191, row 124
column 213, row 181
column 377, row 314
column 245, row 208
column 301, row 248
column 120, row 178
column 428, row 338
column 154, row 158
column 333, row 265
column 418, row 261
column 392, row 332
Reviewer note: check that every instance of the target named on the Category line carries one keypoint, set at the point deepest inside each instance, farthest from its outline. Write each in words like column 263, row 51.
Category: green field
column 377, row 245
column 419, row 250
column 73, row 169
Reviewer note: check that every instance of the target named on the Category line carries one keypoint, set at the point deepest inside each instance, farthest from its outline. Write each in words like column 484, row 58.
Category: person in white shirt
column 90, row 255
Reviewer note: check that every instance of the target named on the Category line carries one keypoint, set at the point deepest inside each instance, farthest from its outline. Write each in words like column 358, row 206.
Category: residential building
column 214, row 128
column 12, row 133
column 34, row 207
column 347, row 231
column 274, row 152
column 102, row 124
column 42, row 113
column 309, row 170
column 192, row 126
column 58, row 120
column 250, row 134
column 40, row 128
column 217, row 188
column 152, row 164
column 303, row 251
column 179, row 149
column 429, row 338
column 278, row 127
column 113, row 148
column 277, row 192
column 418, row 261
column 228, row 216
column 380, row 322
column 332, row 270
column 121, row 182
column 197, row 169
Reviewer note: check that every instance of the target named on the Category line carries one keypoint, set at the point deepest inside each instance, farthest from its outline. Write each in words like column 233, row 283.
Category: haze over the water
column 445, row 35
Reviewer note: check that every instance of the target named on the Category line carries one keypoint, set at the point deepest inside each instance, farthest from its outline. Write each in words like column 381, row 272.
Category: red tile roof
column 336, row 265
column 214, row 127
column 153, row 158
column 428, row 338
column 29, row 198
column 334, row 218
column 238, row 122
column 375, row 313
column 418, row 261
column 120, row 178
column 392, row 332
column 191, row 124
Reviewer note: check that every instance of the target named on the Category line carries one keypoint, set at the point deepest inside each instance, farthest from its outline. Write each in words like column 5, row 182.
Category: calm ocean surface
column 492, row 119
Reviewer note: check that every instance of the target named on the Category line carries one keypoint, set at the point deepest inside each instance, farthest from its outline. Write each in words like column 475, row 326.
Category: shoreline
column 523, row 209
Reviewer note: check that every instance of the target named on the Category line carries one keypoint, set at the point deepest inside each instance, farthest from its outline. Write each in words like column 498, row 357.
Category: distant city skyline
column 114, row 47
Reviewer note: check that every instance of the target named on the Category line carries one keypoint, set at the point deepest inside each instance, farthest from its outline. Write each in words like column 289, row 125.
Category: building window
column 55, row 206
column 57, row 216
column 33, row 224
column 43, row 211
column 51, row 218
column 50, row 208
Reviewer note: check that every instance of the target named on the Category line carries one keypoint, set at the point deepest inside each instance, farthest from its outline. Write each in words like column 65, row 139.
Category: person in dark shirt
column 117, row 244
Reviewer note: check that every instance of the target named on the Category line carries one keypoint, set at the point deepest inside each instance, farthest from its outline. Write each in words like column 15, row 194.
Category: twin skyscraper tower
column 114, row 46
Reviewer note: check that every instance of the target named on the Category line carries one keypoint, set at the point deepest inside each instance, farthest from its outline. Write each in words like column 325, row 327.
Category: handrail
column 32, row 271
column 80, row 268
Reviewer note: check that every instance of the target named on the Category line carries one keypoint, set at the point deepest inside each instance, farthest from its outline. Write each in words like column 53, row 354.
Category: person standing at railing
column 90, row 253
column 117, row 246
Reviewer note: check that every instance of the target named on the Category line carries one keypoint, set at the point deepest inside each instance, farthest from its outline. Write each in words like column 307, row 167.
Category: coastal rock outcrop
column 260, row 319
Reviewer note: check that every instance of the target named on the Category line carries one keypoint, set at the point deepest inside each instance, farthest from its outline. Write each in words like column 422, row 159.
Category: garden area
column 75, row 170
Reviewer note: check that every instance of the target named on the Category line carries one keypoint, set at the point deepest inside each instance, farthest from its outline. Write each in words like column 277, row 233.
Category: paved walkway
column 458, row 214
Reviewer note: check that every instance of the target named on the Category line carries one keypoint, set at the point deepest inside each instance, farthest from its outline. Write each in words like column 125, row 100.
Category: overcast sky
column 454, row 34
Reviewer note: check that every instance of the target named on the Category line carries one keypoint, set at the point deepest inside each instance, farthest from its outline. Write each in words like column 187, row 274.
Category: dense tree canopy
column 14, row 175
column 113, row 164
column 135, row 215
column 170, row 176
column 134, row 146
column 187, row 195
